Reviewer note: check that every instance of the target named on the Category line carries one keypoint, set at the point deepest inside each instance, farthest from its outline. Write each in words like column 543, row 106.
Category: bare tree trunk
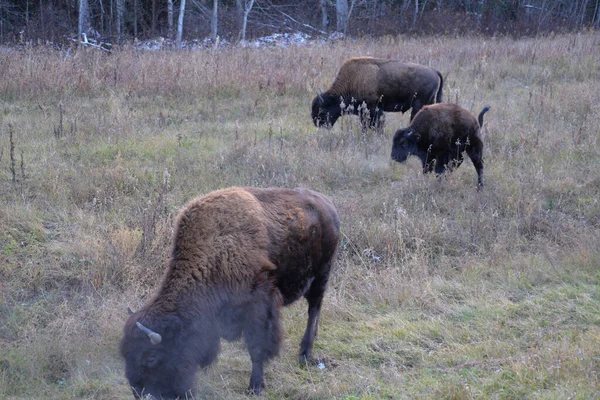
column 239, row 13
column 324, row 19
column 42, row 16
column 120, row 7
column 349, row 14
column 111, row 19
column 83, row 16
column 180, row 23
column 214, row 22
column 584, row 4
column 102, row 27
column 135, row 15
column 153, row 23
column 247, row 8
column 416, row 14
column 170, row 18
column 341, row 9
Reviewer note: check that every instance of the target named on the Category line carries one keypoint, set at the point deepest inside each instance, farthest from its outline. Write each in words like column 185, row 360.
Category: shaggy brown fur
column 383, row 85
column 438, row 135
column 239, row 254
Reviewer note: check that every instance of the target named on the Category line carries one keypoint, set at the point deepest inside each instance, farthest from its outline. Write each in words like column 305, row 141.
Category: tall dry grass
column 439, row 290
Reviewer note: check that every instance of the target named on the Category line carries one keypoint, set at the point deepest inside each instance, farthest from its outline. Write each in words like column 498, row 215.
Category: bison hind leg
column 475, row 152
column 314, row 296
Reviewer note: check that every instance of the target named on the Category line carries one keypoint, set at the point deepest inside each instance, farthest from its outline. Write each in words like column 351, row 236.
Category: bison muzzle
column 438, row 135
column 238, row 255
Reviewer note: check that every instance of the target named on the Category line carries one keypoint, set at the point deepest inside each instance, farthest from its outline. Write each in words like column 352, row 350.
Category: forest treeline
column 124, row 20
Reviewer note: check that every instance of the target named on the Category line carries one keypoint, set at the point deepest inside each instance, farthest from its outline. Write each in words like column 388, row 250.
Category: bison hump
column 358, row 79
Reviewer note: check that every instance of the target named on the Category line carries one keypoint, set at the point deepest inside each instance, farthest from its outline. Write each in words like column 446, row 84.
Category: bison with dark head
column 238, row 255
column 368, row 86
column 438, row 135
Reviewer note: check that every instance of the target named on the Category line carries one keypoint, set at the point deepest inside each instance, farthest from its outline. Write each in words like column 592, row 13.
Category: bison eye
column 151, row 361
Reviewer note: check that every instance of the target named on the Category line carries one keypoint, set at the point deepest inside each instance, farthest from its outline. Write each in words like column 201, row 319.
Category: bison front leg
column 440, row 164
column 262, row 334
column 371, row 118
column 314, row 296
column 377, row 120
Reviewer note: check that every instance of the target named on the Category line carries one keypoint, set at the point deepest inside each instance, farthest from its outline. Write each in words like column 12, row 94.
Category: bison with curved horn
column 438, row 135
column 238, row 256
column 368, row 86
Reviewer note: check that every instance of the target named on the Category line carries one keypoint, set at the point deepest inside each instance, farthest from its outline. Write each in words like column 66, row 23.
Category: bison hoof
column 256, row 388
column 304, row 358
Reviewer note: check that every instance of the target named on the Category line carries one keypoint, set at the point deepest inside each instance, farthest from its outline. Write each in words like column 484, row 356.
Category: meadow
column 439, row 291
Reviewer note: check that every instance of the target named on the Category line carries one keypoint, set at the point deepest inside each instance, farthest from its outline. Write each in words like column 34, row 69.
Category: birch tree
column 248, row 4
column 214, row 22
column 324, row 19
column 180, row 23
column 169, row 18
column 341, row 10
column 83, row 17
column 119, row 22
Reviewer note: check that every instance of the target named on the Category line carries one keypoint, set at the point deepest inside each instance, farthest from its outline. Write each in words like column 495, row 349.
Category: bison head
column 404, row 144
column 325, row 110
column 157, row 361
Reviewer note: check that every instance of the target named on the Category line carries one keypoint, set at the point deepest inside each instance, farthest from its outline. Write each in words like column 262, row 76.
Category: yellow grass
column 439, row 291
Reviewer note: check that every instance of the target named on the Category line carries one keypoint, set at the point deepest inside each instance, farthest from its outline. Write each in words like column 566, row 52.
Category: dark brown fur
column 438, row 135
column 239, row 254
column 383, row 85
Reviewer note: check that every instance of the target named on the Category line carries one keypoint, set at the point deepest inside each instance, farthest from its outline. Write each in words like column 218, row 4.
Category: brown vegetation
column 438, row 291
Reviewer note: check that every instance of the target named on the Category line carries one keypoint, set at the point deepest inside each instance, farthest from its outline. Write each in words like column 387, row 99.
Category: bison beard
column 238, row 255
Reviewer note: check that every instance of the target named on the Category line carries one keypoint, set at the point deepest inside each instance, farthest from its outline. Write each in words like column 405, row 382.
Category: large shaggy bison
column 438, row 135
column 382, row 85
column 238, row 255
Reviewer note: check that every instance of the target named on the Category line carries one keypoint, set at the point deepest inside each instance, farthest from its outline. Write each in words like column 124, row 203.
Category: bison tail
column 480, row 118
column 438, row 98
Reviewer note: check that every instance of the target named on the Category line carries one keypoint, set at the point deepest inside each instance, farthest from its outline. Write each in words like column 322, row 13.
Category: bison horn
column 320, row 94
column 130, row 311
column 155, row 338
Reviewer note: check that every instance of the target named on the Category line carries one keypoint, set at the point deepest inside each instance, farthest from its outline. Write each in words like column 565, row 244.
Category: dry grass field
column 439, row 291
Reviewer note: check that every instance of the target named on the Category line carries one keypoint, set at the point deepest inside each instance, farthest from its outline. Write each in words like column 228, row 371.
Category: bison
column 238, row 255
column 382, row 85
column 438, row 135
